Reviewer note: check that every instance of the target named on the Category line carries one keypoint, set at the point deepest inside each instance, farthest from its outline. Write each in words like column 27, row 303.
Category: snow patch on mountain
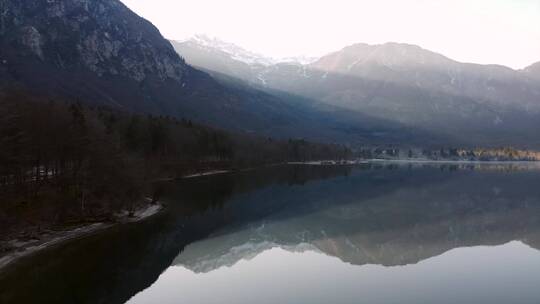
column 301, row 60
column 241, row 54
column 234, row 51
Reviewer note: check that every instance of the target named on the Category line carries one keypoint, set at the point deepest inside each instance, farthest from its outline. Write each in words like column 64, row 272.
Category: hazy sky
column 483, row 31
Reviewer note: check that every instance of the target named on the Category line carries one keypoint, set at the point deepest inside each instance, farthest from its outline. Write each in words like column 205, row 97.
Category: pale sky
column 503, row 32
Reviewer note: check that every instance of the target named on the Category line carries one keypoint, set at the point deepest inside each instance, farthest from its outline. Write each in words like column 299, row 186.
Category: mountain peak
column 386, row 45
column 391, row 54
column 238, row 53
column 208, row 43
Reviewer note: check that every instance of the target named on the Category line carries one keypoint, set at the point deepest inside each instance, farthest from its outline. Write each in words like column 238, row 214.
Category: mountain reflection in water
column 389, row 218
column 480, row 275
column 347, row 227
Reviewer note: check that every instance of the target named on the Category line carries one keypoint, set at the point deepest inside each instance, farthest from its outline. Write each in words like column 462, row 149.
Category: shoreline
column 27, row 248
column 441, row 161
column 205, row 173
column 348, row 163
column 412, row 161
column 49, row 239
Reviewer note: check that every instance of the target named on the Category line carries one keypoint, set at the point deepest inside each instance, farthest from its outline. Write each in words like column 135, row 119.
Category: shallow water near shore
column 375, row 233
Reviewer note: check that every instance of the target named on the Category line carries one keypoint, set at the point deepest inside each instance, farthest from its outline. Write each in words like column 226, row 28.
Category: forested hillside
column 62, row 162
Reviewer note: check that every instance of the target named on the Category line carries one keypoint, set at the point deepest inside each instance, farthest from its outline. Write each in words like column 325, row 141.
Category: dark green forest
column 64, row 163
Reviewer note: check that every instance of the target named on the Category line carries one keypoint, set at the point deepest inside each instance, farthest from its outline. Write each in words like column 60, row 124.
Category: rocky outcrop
column 102, row 36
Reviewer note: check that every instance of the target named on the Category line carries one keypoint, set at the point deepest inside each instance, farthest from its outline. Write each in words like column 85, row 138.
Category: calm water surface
column 380, row 233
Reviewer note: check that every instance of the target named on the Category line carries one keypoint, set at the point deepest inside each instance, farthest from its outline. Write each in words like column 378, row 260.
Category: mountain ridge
column 409, row 85
column 307, row 60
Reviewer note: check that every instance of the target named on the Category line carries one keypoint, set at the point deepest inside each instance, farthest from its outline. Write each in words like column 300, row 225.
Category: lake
column 371, row 233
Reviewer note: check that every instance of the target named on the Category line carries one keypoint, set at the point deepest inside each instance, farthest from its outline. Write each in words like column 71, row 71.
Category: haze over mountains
column 100, row 52
column 400, row 83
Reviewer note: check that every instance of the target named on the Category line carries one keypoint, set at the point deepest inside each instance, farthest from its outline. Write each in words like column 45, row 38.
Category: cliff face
column 101, row 36
column 93, row 51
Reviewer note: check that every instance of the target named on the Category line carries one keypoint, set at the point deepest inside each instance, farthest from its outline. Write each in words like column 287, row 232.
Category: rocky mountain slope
column 101, row 52
column 55, row 45
column 217, row 55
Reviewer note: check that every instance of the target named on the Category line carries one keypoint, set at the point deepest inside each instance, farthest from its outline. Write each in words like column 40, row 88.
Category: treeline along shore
column 66, row 164
column 450, row 154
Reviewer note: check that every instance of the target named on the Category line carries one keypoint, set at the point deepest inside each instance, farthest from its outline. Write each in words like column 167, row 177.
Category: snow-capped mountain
column 209, row 44
column 236, row 52
column 302, row 59
column 213, row 54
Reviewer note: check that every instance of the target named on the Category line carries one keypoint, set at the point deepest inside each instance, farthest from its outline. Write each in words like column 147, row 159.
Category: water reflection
column 378, row 214
column 480, row 275
column 114, row 265
column 389, row 218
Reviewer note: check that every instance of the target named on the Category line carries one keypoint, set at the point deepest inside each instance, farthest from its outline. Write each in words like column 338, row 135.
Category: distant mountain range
column 401, row 83
column 100, row 52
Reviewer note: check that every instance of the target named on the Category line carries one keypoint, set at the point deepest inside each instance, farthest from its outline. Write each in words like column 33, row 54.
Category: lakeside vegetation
column 451, row 154
column 63, row 163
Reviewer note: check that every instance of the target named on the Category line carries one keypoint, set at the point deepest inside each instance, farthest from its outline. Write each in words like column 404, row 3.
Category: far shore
column 351, row 163
column 497, row 162
column 425, row 161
